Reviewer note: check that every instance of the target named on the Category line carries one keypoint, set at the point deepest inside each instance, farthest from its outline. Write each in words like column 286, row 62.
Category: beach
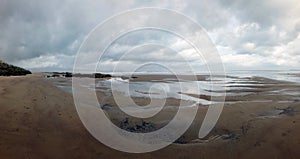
column 39, row 120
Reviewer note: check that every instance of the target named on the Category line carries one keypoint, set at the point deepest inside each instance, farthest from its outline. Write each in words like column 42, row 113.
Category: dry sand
column 39, row 121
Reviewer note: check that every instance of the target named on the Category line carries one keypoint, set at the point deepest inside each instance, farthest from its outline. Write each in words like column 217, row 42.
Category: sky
column 46, row 35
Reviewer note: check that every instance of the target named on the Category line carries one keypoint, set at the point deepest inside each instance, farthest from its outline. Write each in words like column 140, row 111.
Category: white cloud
column 47, row 62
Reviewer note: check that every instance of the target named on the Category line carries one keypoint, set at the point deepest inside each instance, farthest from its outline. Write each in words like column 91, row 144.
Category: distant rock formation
column 10, row 70
column 69, row 74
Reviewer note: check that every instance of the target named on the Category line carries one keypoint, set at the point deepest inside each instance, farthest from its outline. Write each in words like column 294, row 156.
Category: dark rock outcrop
column 140, row 127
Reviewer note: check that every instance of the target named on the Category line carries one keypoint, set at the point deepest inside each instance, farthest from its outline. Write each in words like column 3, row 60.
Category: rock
column 142, row 127
column 124, row 123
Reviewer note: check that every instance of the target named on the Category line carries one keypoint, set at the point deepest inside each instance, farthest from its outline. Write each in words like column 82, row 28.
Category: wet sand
column 39, row 120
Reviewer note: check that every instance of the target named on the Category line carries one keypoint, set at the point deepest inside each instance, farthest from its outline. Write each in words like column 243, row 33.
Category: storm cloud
column 46, row 35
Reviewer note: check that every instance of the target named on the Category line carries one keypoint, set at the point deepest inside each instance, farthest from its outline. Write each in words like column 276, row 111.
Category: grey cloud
column 35, row 30
column 265, row 13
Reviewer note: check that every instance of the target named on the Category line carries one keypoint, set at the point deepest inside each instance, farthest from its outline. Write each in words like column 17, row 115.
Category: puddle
column 65, row 88
column 270, row 114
